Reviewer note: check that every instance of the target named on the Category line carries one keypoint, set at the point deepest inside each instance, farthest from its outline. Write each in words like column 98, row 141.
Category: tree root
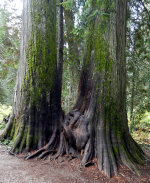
column 35, row 154
column 76, row 140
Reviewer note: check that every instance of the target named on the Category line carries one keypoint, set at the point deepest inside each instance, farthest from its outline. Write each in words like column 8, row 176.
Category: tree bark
column 97, row 125
column 60, row 45
column 37, row 107
column 132, row 94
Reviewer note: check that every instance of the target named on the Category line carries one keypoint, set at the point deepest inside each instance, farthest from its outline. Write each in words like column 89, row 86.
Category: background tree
column 72, row 55
column 9, row 51
column 138, row 61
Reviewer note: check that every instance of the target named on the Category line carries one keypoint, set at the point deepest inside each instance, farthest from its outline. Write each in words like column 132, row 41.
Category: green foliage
column 138, row 88
column 70, row 81
column 9, row 51
column 2, row 126
column 68, row 4
column 4, row 111
column 140, row 130
column 73, row 50
column 138, row 72
column 7, row 142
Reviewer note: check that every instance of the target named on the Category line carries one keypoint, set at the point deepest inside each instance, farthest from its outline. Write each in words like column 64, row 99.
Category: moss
column 41, row 52
column 138, row 159
column 23, row 142
column 115, row 149
column 16, row 128
column 16, row 151
column 36, row 139
column 27, row 140
column 12, row 130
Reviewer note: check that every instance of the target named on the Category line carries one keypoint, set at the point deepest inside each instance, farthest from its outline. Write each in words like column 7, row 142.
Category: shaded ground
column 16, row 170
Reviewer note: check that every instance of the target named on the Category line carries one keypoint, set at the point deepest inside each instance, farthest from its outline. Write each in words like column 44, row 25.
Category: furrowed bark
column 104, row 63
column 37, row 106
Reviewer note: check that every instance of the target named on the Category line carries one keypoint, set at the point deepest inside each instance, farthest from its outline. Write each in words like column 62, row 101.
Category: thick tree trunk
column 37, row 108
column 97, row 125
column 99, row 117
column 60, row 45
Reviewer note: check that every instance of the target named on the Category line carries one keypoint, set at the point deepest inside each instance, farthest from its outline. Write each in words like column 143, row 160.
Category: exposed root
column 11, row 153
column 35, row 154
column 44, row 154
column 74, row 139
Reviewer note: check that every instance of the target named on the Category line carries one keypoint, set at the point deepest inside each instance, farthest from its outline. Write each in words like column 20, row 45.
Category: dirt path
column 15, row 170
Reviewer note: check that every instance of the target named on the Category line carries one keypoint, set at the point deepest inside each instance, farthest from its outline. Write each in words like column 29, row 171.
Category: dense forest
column 76, row 74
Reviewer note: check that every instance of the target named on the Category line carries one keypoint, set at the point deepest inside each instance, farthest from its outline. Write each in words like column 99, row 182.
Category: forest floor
column 17, row 170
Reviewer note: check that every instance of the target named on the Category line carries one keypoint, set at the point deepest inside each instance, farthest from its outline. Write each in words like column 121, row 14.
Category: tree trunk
column 37, row 108
column 60, row 45
column 97, row 125
column 132, row 94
